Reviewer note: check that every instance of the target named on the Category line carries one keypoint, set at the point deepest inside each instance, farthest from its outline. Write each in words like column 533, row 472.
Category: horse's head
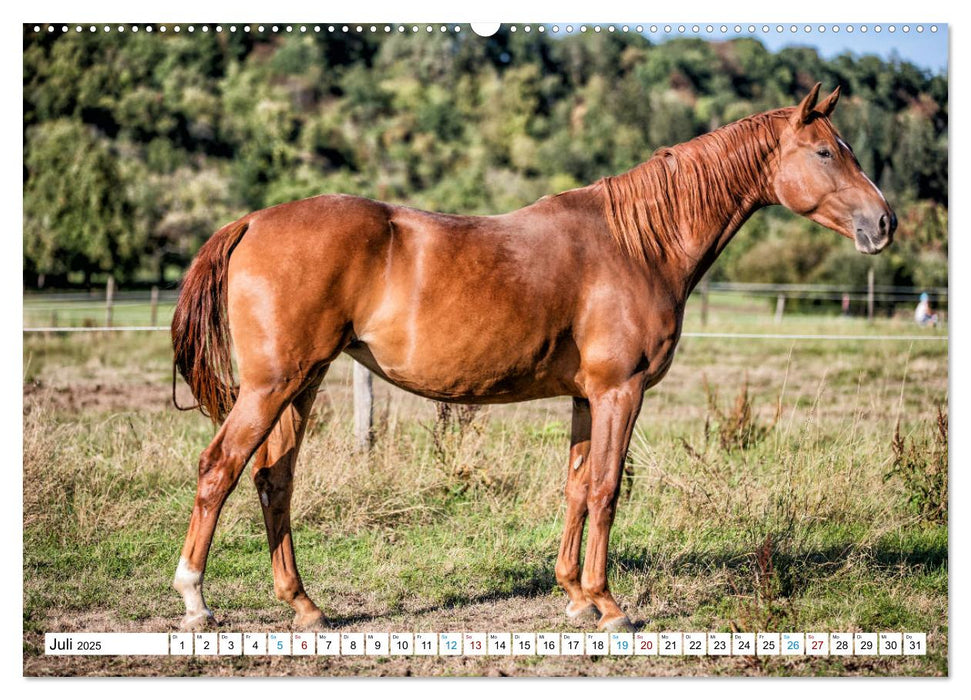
column 817, row 176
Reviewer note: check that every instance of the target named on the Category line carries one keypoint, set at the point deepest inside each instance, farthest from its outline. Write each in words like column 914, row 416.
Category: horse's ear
column 805, row 108
column 827, row 106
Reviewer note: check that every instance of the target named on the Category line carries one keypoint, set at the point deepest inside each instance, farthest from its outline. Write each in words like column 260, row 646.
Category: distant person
column 923, row 314
column 846, row 304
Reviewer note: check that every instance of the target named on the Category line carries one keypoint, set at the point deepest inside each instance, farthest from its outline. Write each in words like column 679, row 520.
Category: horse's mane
column 700, row 181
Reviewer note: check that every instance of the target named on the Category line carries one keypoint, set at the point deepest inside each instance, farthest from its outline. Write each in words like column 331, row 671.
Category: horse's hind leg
column 246, row 426
column 273, row 468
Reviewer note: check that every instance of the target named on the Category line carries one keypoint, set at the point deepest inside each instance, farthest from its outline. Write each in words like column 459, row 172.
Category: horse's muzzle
column 874, row 232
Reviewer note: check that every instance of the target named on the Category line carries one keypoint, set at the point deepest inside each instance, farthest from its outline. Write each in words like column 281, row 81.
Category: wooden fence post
column 154, row 312
column 109, row 300
column 704, row 300
column 363, row 407
column 869, row 295
column 780, row 307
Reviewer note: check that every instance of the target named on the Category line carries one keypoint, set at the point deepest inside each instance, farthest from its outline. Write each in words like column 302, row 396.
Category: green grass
column 802, row 530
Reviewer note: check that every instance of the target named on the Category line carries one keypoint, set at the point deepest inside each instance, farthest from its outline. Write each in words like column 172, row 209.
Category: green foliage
column 138, row 146
column 75, row 209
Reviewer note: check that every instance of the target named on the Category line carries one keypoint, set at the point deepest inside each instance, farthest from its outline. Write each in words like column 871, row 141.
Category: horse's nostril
column 883, row 224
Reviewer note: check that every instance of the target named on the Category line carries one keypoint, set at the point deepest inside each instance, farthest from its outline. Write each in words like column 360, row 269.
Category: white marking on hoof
column 577, row 462
column 189, row 583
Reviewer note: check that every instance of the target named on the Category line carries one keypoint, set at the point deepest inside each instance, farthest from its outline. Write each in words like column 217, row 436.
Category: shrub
column 921, row 467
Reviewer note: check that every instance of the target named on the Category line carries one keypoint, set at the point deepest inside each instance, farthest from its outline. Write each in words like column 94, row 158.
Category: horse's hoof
column 618, row 624
column 196, row 623
column 582, row 615
column 311, row 623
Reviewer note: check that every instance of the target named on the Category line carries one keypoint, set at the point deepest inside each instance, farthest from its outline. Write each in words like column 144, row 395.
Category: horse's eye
column 824, row 153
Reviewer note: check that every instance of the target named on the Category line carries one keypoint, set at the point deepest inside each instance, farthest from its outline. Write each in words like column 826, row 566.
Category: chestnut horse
column 580, row 294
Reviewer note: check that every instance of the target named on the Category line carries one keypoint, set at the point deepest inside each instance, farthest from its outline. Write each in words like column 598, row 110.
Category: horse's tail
column 200, row 327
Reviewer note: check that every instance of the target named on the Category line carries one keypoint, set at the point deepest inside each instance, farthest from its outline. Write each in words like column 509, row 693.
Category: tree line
column 138, row 146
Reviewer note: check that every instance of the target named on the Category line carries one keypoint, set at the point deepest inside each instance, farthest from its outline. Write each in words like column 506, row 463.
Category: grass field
column 794, row 510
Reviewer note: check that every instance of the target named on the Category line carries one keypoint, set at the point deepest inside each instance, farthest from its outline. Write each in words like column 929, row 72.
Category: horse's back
column 313, row 226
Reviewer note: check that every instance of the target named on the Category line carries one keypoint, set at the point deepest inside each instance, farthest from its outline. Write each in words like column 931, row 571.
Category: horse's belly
column 486, row 370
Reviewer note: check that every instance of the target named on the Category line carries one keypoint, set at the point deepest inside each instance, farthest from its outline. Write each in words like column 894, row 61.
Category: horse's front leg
column 580, row 609
column 613, row 414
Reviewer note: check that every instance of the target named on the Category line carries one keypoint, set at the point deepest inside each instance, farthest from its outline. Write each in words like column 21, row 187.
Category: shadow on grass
column 927, row 558
column 523, row 582
column 795, row 571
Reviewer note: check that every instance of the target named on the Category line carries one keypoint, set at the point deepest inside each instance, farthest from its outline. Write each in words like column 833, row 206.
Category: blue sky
column 926, row 49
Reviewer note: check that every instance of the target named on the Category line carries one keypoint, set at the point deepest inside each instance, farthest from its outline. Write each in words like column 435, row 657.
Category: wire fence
column 96, row 298
column 110, row 310
column 687, row 334
column 881, row 293
column 132, row 307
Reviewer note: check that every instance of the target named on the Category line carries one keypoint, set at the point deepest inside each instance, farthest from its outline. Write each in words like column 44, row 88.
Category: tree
column 76, row 213
column 138, row 146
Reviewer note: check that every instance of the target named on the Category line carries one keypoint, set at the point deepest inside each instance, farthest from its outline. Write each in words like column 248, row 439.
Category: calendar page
column 611, row 349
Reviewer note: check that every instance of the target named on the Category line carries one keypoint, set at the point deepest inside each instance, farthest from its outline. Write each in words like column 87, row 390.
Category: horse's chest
column 662, row 360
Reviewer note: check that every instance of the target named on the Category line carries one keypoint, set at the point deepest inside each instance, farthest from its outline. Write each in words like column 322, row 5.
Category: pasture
column 766, row 490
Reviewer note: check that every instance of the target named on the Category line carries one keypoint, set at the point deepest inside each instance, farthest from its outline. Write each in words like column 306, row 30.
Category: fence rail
column 753, row 287
column 363, row 391
column 687, row 334
column 65, row 310
column 825, row 292
column 97, row 298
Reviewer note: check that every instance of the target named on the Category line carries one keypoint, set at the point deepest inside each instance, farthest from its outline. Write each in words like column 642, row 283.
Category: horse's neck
column 706, row 245
column 674, row 214
column 706, row 237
